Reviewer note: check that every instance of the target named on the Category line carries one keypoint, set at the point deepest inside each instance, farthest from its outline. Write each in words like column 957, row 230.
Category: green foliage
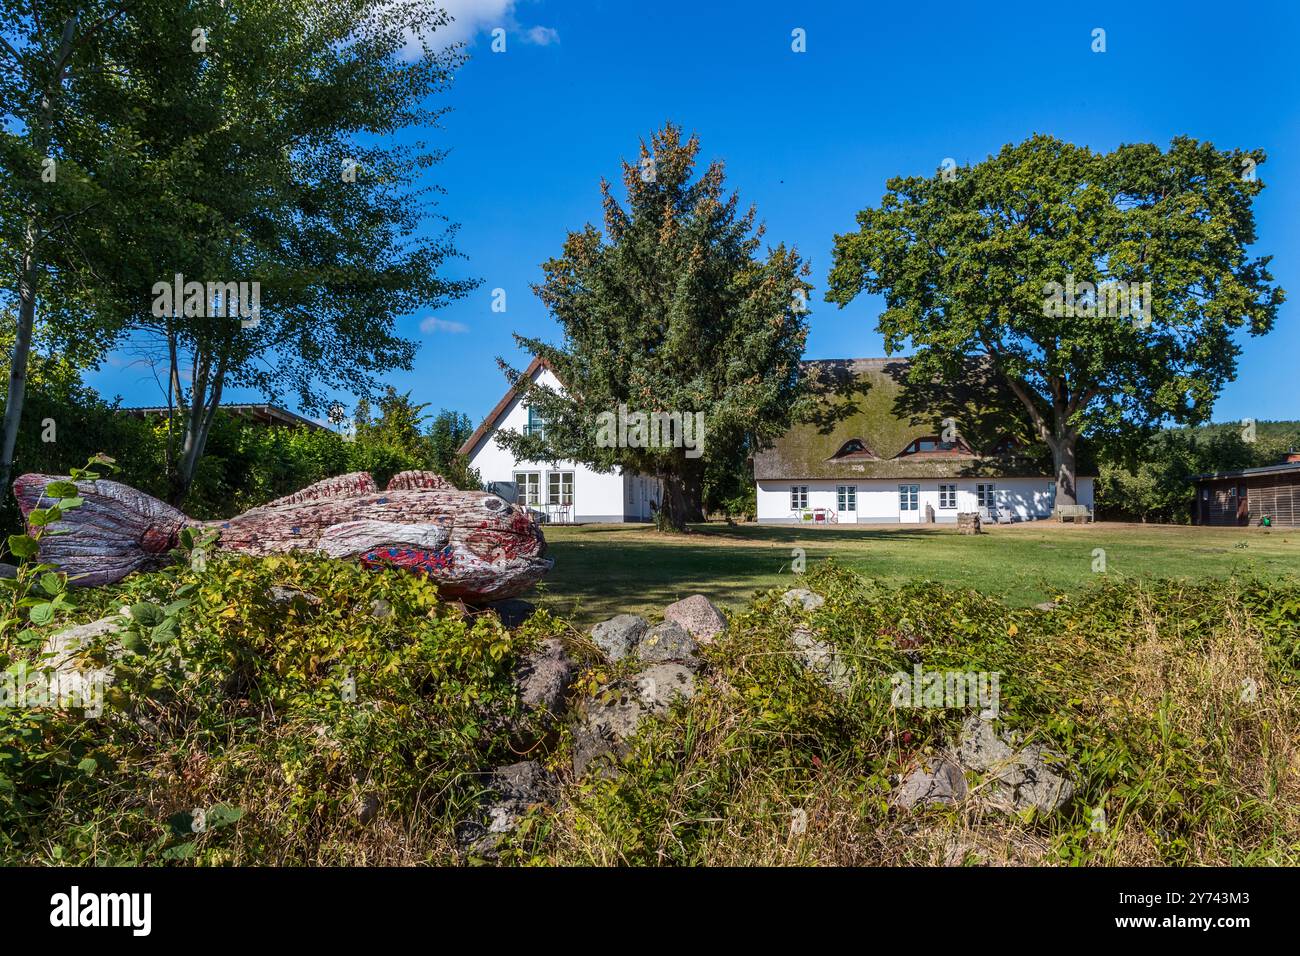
column 1138, row 684
column 966, row 261
column 247, row 725
column 404, row 427
column 70, row 174
column 401, row 423
column 741, row 506
column 263, row 148
column 66, row 423
column 246, row 464
column 291, row 169
column 38, row 588
column 449, row 431
column 1154, row 482
column 672, row 308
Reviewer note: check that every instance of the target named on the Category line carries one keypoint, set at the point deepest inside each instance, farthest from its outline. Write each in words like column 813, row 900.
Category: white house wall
column 1018, row 499
column 596, row 497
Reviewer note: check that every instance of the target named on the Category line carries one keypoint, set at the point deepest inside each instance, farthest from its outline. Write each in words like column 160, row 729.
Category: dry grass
column 1175, row 705
column 1178, row 724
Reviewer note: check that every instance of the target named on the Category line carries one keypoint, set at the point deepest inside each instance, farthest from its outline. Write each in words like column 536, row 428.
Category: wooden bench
column 1075, row 513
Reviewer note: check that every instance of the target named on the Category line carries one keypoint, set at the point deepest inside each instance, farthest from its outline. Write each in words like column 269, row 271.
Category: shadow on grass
column 775, row 533
column 607, row 569
column 601, row 570
column 802, row 533
column 656, row 573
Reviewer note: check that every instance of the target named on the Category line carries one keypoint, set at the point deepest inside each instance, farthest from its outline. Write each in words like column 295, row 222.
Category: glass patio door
column 986, row 497
column 846, row 504
column 909, row 497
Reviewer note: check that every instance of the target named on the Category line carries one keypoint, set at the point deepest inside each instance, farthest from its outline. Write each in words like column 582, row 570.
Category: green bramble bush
column 348, row 717
column 296, row 710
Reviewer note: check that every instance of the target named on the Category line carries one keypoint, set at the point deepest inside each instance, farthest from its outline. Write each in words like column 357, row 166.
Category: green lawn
column 602, row 570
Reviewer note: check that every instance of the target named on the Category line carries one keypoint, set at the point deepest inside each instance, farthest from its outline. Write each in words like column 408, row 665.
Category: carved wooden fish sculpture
column 476, row 546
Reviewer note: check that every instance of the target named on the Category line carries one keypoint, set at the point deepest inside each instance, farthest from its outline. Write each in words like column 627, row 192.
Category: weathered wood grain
column 475, row 545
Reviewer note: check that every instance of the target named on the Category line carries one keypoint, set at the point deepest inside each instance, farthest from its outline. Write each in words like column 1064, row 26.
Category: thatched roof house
column 881, row 448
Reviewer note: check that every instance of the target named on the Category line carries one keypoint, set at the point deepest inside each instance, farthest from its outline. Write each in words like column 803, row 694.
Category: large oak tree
column 980, row 260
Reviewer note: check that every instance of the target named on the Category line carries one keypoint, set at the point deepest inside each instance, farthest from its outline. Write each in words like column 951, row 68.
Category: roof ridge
column 512, row 392
column 882, row 359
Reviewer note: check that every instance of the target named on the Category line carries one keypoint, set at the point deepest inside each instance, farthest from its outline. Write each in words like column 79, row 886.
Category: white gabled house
column 875, row 453
column 565, row 491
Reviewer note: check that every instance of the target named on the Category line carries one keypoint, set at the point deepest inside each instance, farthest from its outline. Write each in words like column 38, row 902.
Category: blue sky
column 810, row 138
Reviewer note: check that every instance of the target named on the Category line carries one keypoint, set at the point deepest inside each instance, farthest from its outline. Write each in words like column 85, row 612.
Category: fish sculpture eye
column 418, row 524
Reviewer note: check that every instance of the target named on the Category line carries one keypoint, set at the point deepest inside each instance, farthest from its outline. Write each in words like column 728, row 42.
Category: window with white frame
column 798, row 497
column 846, row 497
column 907, row 497
column 559, row 489
column 536, row 423
column 984, row 494
column 948, row 496
column 529, row 484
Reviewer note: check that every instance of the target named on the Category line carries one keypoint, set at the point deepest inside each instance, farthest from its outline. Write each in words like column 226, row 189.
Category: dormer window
column 853, row 448
column 1006, row 446
column 929, row 444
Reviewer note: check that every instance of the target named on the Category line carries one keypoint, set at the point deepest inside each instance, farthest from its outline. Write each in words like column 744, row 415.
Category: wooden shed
column 1248, row 496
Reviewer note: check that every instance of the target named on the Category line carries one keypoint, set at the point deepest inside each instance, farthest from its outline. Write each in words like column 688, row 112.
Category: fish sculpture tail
column 473, row 544
column 116, row 530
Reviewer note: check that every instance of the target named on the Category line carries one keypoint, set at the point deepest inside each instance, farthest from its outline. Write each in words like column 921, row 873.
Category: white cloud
column 433, row 324
column 471, row 18
column 542, row 36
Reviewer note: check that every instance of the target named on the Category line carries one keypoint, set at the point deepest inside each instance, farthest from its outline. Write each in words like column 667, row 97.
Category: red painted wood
column 475, row 545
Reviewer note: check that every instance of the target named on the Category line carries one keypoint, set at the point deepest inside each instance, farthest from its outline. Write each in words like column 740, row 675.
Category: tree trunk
column 198, row 423
column 1064, row 467
column 682, row 493
column 173, row 396
column 30, row 270
column 18, row 361
column 693, row 488
column 673, row 501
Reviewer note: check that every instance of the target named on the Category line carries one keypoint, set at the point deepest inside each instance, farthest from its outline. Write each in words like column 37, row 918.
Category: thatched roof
column 869, row 401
